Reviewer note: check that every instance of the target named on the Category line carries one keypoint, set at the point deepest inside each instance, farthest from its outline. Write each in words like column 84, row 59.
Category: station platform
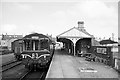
column 64, row 65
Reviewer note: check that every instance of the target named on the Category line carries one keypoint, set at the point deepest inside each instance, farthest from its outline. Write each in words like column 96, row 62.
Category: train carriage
column 17, row 49
column 37, row 51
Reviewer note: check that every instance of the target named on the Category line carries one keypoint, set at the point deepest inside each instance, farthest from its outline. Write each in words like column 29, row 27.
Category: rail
column 37, row 75
column 10, row 65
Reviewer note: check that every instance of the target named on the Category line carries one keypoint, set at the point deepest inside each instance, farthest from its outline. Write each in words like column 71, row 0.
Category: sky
column 56, row 16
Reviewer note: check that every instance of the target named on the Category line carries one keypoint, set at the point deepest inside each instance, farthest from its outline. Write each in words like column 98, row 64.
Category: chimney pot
column 81, row 24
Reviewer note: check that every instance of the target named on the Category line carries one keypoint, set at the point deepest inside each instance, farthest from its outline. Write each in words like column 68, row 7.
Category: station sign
column 102, row 50
column 35, row 37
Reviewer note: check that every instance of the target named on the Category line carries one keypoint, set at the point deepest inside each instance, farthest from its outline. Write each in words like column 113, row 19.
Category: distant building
column 119, row 48
column 7, row 39
column 119, row 41
column 117, row 57
column 52, row 38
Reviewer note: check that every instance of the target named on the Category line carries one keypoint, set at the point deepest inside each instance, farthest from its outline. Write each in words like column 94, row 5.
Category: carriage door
column 16, row 49
column 35, row 44
column 20, row 48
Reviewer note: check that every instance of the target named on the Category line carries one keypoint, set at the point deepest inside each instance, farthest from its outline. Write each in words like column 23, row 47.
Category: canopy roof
column 75, row 32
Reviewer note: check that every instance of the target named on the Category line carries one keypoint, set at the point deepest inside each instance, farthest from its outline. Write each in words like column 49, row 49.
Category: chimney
column 81, row 25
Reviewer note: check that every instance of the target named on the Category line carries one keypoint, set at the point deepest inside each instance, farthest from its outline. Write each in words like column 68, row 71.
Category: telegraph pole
column 113, row 36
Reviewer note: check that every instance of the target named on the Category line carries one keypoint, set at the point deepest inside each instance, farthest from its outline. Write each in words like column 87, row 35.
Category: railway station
column 59, row 39
column 74, row 54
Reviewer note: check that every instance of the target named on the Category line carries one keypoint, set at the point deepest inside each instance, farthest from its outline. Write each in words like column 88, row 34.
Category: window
column 44, row 44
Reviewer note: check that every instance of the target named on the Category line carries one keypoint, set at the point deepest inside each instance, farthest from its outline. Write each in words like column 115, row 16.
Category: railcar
column 38, row 50
column 16, row 47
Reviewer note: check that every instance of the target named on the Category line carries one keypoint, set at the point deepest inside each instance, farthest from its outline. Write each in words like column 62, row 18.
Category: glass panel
column 36, row 44
column 44, row 44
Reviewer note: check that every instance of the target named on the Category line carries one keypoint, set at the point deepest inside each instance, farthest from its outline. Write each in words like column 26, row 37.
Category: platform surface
column 68, row 66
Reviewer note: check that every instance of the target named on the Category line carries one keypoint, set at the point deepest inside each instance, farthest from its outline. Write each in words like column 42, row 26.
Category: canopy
column 75, row 32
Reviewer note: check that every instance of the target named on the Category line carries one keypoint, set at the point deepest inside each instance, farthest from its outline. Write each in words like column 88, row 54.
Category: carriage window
column 28, row 45
column 44, row 44
column 36, row 44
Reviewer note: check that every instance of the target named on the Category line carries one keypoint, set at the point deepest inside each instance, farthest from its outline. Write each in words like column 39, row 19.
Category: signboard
column 101, row 50
column 35, row 37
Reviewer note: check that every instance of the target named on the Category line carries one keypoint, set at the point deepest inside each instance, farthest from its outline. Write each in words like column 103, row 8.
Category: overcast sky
column 54, row 16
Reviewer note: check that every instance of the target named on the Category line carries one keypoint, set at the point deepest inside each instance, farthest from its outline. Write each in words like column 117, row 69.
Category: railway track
column 34, row 75
column 10, row 65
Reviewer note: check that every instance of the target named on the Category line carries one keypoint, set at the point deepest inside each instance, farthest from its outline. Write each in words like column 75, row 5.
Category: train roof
column 17, row 40
column 34, row 35
column 37, row 36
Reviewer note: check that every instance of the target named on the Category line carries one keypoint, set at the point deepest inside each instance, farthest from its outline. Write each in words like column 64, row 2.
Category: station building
column 77, row 40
